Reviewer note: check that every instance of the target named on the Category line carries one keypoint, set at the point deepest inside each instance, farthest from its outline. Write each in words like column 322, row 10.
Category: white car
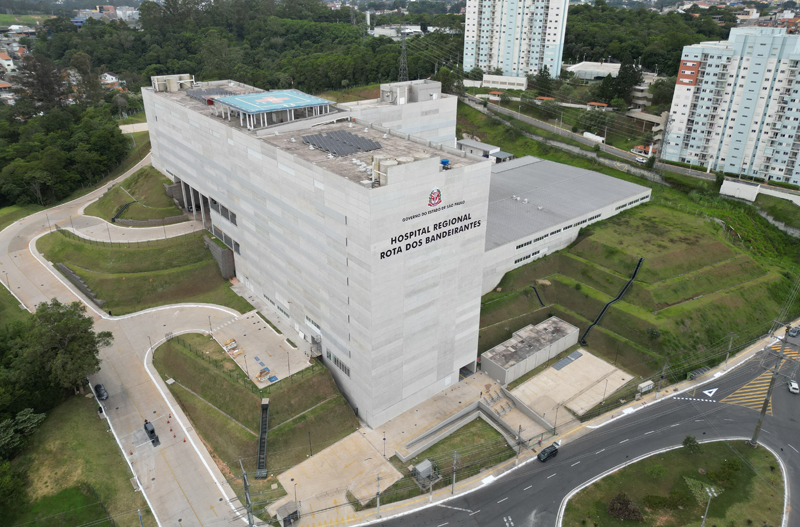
column 793, row 387
column 641, row 160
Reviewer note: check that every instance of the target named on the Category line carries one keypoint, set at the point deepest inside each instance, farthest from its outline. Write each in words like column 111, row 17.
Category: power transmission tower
column 247, row 501
column 776, row 370
column 402, row 76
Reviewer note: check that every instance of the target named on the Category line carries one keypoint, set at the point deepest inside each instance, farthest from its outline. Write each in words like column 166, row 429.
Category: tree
column 605, row 91
column 88, row 85
column 14, row 431
column 691, row 445
column 504, row 98
column 62, row 343
column 543, row 82
column 663, row 89
column 12, row 484
column 594, row 121
column 629, row 76
column 496, row 71
column 550, row 108
column 619, row 104
column 40, row 80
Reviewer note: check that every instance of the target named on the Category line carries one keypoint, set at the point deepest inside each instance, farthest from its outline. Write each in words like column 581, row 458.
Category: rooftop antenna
column 402, row 76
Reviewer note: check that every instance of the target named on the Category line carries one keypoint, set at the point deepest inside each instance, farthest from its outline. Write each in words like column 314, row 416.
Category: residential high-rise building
column 736, row 106
column 518, row 36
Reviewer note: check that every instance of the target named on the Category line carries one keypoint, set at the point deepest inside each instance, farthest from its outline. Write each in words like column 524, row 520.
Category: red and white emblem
column 435, row 198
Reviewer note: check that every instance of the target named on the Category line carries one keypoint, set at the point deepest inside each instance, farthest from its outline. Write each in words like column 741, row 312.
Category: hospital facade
column 369, row 240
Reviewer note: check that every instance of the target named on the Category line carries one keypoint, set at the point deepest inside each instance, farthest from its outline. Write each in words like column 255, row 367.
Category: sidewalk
column 345, row 515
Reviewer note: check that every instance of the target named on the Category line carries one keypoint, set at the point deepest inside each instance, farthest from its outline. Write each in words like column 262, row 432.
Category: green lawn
column 478, row 445
column 140, row 117
column 359, row 93
column 752, row 496
column 211, row 382
column 25, row 20
column 698, row 283
column 10, row 311
column 780, row 209
column 71, row 454
column 306, row 402
column 146, row 187
column 135, row 277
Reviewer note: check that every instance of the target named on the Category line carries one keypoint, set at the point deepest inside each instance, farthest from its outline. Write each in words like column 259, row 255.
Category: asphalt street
column 531, row 495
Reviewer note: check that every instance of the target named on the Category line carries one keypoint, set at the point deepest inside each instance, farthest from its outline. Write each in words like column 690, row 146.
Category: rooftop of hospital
column 530, row 195
column 352, row 144
column 528, row 341
column 393, row 146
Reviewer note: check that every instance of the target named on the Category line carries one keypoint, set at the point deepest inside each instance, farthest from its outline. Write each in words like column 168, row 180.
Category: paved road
column 181, row 481
column 532, row 495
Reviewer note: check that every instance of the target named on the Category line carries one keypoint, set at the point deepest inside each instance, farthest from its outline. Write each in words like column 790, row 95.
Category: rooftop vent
column 292, row 140
column 540, row 208
column 524, row 201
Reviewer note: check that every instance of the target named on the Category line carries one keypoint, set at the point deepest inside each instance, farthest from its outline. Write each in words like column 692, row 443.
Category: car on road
column 793, row 387
column 794, row 332
column 100, row 392
column 641, row 160
column 548, row 452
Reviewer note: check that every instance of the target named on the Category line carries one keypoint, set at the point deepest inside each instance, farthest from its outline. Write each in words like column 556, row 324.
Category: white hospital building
column 363, row 226
column 519, row 36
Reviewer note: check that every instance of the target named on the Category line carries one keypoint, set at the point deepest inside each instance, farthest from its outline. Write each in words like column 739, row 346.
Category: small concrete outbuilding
column 527, row 349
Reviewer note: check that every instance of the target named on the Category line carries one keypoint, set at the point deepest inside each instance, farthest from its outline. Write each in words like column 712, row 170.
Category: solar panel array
column 341, row 143
column 208, row 92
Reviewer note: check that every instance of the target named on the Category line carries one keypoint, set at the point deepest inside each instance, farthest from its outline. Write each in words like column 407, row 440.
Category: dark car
column 548, row 452
column 100, row 392
column 151, row 433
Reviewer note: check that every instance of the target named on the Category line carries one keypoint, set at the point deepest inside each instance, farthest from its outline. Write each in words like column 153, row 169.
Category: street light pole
column 711, row 494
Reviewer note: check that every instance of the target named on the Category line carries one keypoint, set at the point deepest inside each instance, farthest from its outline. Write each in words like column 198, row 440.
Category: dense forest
column 598, row 32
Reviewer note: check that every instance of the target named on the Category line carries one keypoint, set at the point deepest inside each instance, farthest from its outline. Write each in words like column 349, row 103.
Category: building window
column 520, row 246
column 283, row 311
column 313, row 324
column 339, row 364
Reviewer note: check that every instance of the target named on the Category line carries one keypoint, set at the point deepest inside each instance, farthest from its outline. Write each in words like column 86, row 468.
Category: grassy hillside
column 780, row 209
column 699, row 282
column 146, row 188
column 134, row 277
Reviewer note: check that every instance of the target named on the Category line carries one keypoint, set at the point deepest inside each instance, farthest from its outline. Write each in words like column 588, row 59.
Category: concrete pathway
column 130, row 128
column 179, row 479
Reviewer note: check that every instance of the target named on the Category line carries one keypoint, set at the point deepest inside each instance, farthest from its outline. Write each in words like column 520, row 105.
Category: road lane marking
column 623, row 441
column 443, row 524
column 526, row 488
column 574, row 464
column 673, row 426
column 454, row 508
column 501, row 501
column 476, row 512
column 550, row 476
column 650, row 432
column 793, row 448
column 767, row 431
column 600, row 451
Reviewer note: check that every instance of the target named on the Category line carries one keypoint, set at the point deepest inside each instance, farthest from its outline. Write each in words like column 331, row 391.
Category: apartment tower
column 518, row 36
column 736, row 107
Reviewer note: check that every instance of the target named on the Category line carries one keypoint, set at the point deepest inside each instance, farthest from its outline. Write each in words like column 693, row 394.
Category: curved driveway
column 531, row 495
column 180, row 480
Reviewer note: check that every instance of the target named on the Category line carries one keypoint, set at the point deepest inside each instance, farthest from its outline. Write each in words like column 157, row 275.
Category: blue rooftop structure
column 272, row 101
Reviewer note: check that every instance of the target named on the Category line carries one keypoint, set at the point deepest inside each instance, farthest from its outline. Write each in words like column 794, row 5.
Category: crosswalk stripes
column 752, row 394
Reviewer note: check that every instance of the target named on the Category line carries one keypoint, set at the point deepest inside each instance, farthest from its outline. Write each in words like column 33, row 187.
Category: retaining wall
column 80, row 284
column 174, row 191
column 224, row 258
column 152, row 223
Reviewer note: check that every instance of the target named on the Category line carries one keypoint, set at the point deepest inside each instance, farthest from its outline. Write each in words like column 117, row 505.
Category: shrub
column 650, row 162
column 657, row 472
column 653, row 333
column 691, row 445
column 623, row 508
column 578, row 287
column 596, row 147
column 574, row 129
column 726, row 475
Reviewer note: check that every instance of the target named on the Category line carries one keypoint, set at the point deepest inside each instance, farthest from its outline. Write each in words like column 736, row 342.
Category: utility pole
column 455, row 465
column 519, row 444
column 310, row 452
column 775, row 371
column 663, row 372
column 402, row 75
column 248, row 504
column 730, row 344
column 378, row 496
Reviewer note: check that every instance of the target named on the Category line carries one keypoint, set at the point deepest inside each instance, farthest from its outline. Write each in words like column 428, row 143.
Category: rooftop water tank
column 445, row 162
